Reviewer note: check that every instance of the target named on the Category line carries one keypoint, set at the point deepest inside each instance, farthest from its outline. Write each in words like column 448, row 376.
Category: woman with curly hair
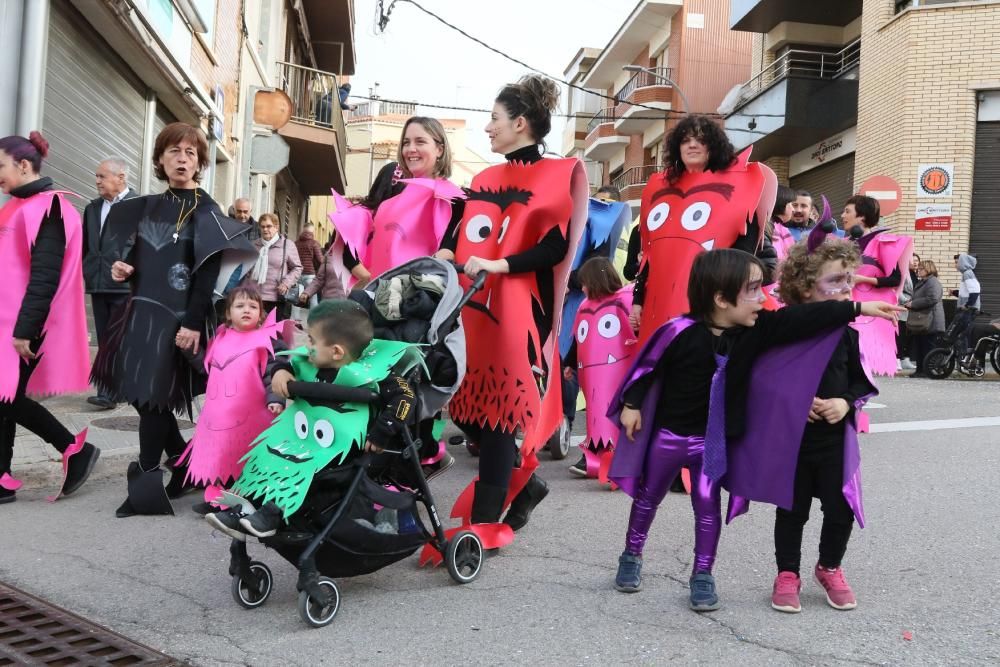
column 707, row 198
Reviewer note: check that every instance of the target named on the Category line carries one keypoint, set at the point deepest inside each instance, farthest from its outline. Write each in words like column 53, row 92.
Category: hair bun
column 544, row 91
column 39, row 142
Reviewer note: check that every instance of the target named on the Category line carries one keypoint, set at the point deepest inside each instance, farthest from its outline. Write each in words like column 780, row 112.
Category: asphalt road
column 925, row 571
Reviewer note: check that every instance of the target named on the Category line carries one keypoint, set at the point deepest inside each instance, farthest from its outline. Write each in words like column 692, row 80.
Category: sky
column 419, row 59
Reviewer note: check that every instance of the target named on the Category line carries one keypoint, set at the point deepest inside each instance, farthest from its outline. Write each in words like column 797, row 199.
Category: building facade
column 668, row 56
column 841, row 92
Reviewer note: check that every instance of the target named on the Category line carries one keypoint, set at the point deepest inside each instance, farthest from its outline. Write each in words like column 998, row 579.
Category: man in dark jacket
column 99, row 254
column 241, row 211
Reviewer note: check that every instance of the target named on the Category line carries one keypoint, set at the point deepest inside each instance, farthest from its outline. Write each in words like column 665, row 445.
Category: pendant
column 175, row 237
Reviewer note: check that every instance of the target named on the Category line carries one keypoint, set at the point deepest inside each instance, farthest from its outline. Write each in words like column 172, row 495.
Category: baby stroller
column 330, row 535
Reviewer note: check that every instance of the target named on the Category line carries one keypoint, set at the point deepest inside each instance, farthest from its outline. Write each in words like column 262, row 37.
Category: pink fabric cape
column 64, row 357
column 404, row 227
column 235, row 410
column 877, row 337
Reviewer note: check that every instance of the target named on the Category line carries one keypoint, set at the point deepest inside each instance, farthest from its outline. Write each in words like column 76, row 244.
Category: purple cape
column 630, row 455
column 763, row 461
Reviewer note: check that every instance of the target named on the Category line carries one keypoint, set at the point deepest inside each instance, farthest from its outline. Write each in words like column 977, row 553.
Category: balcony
column 802, row 97
column 763, row 15
column 316, row 133
column 646, row 89
column 632, row 181
column 331, row 33
column 602, row 140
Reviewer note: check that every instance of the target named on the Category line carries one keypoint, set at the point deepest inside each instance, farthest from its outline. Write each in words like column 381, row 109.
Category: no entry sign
column 886, row 191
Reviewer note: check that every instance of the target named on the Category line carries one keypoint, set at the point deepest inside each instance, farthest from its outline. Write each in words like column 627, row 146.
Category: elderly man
column 241, row 211
column 100, row 251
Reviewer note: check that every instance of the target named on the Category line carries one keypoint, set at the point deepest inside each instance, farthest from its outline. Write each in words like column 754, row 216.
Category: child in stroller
column 328, row 531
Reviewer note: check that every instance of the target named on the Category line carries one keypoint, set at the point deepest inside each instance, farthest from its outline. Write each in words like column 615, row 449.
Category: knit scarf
column 260, row 268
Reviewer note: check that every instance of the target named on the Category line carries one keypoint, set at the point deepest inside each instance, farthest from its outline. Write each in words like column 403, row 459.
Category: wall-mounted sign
column 886, row 191
column 218, row 118
column 831, row 148
column 935, row 180
column 933, row 218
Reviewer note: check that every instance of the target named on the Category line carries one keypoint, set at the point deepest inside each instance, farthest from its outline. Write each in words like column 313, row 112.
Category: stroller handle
column 478, row 281
column 334, row 393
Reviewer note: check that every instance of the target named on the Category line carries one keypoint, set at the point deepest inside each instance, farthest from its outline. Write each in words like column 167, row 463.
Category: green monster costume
column 306, row 438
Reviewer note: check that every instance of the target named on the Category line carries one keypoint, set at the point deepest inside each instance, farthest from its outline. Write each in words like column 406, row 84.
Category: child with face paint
column 821, row 383
column 685, row 396
column 602, row 347
column 238, row 404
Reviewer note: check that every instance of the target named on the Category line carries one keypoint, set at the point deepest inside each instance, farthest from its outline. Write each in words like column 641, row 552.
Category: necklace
column 182, row 218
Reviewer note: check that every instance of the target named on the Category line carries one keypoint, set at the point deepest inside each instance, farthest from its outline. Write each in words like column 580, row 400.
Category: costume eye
column 696, row 216
column 658, row 216
column 478, row 228
column 323, row 433
column 582, row 331
column 301, row 425
column 609, row 325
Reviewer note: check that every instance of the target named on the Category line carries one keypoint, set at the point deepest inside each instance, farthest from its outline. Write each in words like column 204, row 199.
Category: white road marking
column 875, row 406
column 935, row 424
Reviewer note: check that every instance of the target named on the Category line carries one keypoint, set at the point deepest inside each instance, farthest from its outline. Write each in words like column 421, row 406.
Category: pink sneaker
column 786, row 593
column 838, row 592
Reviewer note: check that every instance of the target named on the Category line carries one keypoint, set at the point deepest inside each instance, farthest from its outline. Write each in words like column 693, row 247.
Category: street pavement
column 925, row 569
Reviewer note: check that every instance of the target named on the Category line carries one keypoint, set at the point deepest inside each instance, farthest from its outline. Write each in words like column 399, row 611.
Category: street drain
column 130, row 423
column 34, row 632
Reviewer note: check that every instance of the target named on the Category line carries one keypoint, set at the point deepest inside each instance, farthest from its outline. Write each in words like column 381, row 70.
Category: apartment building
column 843, row 91
column 668, row 56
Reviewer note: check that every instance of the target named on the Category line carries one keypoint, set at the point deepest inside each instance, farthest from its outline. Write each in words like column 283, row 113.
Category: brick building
column 844, row 91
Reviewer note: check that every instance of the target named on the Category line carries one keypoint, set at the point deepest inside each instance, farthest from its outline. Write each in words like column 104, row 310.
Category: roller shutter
column 94, row 104
column 985, row 238
column 834, row 179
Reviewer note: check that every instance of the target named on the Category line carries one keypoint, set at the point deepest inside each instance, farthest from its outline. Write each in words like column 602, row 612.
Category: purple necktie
column 714, row 464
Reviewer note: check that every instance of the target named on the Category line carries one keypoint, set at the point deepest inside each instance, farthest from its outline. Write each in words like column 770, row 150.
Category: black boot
column 177, row 487
column 520, row 509
column 487, row 503
column 79, row 468
column 146, row 494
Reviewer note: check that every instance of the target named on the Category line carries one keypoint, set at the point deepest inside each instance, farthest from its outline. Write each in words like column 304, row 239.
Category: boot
column 178, row 486
column 487, row 503
column 520, row 509
column 79, row 467
column 146, row 494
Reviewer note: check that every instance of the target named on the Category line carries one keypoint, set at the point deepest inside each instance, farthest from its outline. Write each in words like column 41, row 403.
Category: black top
column 631, row 268
column 46, row 263
column 843, row 378
column 99, row 250
column 688, row 364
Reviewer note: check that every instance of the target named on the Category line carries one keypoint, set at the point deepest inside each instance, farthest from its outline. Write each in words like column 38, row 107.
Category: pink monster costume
column 604, row 348
column 881, row 253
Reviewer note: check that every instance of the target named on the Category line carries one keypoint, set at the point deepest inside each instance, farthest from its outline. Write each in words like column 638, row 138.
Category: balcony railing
column 643, row 80
column 605, row 115
column 380, row 108
column 315, row 96
column 803, row 63
column 635, row 176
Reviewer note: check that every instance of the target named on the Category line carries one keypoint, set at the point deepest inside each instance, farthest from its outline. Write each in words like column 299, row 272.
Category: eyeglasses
column 836, row 283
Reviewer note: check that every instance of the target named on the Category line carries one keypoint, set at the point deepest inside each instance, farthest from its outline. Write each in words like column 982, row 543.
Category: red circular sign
column 886, row 191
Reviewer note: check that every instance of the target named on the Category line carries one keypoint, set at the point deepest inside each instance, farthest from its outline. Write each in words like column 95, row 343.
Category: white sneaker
column 899, row 365
column 907, row 364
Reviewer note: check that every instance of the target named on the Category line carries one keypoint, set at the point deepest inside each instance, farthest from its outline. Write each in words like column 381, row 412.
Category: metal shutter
column 162, row 119
column 985, row 238
column 94, row 105
column 835, row 180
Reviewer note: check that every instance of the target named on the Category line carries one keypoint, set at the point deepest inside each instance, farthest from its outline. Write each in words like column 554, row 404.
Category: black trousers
column 497, row 453
column 920, row 347
column 31, row 415
column 158, row 434
column 819, row 474
column 104, row 306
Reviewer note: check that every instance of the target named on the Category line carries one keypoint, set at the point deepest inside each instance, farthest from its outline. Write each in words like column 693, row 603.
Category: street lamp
column 638, row 68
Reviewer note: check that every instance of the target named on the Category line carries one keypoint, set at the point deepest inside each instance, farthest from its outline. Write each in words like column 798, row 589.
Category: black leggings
column 497, row 452
column 819, row 474
column 31, row 415
column 158, row 433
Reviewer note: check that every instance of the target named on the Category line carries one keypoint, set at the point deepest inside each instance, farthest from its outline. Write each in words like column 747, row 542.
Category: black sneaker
column 264, row 522
column 432, row 470
column 703, row 595
column 580, row 467
column 204, row 508
column 629, row 577
column 524, row 503
column 228, row 522
column 79, row 468
column 7, row 496
column 101, row 402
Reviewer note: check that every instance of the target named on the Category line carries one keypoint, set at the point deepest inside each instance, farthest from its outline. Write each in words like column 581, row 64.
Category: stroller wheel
column 249, row 594
column 939, row 363
column 559, row 443
column 464, row 557
column 472, row 448
column 316, row 613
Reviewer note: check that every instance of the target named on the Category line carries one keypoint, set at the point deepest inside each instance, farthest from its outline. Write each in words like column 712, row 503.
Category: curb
column 48, row 473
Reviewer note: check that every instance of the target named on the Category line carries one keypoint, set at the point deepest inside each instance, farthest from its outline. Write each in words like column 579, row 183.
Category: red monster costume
column 697, row 212
column 510, row 208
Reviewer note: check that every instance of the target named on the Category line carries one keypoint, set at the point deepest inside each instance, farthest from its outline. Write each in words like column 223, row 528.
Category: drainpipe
column 148, row 141
column 11, row 22
column 31, row 75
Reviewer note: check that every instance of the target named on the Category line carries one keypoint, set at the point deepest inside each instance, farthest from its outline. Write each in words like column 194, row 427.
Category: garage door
column 985, row 238
column 834, row 179
column 94, row 104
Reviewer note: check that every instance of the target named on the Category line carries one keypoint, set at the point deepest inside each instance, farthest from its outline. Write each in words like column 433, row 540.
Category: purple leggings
column 667, row 454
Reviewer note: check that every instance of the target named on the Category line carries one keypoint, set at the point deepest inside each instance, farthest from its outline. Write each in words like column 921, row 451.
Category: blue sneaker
column 629, row 577
column 703, row 595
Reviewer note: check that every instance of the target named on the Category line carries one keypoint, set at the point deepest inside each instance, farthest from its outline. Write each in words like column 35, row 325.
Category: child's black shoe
column 264, row 522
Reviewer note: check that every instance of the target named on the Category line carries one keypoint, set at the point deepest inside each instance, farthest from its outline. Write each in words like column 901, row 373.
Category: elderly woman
column 278, row 266
column 926, row 314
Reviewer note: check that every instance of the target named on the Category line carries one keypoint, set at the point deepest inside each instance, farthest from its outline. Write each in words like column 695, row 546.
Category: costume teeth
column 709, row 244
column 611, row 359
